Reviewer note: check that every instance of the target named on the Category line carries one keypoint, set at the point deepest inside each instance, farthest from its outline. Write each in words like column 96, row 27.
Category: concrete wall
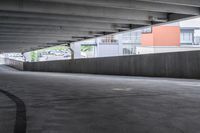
column 179, row 65
column 105, row 50
column 14, row 63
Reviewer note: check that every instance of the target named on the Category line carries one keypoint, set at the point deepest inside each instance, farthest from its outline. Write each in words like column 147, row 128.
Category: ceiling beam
column 33, row 32
column 56, row 28
column 6, row 20
column 38, row 33
column 72, row 18
column 21, row 37
column 15, row 39
column 77, row 10
column 34, row 35
column 181, row 6
column 194, row 3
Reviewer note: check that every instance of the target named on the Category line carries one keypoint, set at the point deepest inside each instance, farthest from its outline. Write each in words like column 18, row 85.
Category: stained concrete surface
column 80, row 103
column 173, row 64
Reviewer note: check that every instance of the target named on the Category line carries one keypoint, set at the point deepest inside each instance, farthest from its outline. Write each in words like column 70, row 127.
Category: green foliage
column 34, row 56
column 86, row 48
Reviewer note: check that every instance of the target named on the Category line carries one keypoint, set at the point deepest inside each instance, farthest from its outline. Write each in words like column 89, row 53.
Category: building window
column 132, row 37
column 109, row 40
column 129, row 49
column 187, row 38
column 126, row 51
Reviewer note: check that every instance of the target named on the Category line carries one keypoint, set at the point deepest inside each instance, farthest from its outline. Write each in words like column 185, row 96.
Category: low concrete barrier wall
column 19, row 65
column 2, row 60
column 177, row 65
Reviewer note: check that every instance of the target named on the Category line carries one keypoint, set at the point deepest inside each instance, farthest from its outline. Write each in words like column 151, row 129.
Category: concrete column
column 76, row 49
column 96, row 48
column 27, row 56
column 98, row 41
column 120, row 44
column 2, row 59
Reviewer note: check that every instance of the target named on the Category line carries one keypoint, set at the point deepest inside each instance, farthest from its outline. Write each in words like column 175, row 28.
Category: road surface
column 81, row 103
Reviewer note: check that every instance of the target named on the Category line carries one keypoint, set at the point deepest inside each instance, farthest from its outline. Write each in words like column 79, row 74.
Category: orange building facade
column 162, row 36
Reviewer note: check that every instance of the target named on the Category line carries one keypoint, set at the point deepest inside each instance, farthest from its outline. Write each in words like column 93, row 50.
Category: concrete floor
column 79, row 103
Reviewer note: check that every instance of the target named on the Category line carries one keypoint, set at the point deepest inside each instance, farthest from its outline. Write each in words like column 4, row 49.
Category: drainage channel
column 20, row 123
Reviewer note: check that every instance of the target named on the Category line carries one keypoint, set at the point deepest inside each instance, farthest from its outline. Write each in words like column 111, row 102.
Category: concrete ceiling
column 32, row 24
